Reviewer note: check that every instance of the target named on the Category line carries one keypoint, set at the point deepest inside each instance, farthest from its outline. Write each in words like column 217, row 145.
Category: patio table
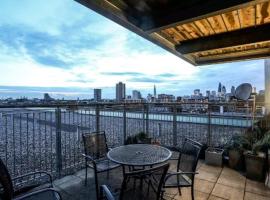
column 139, row 154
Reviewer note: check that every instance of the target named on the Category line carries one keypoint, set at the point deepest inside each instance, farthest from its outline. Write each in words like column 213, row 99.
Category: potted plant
column 213, row 156
column 255, row 158
column 235, row 148
column 143, row 138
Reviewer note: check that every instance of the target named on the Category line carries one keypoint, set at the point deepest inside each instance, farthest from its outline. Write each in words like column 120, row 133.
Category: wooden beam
column 234, row 59
column 205, row 9
column 227, row 39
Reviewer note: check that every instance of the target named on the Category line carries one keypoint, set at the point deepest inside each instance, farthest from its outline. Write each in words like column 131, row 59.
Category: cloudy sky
column 61, row 47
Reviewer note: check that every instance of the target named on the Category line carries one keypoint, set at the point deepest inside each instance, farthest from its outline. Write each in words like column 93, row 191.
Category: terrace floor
column 212, row 183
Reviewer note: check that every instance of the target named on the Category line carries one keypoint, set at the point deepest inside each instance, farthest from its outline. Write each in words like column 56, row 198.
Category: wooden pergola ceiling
column 199, row 31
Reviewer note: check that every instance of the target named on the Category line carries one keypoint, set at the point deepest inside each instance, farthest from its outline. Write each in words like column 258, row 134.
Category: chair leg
column 192, row 192
column 85, row 181
column 179, row 191
column 96, row 184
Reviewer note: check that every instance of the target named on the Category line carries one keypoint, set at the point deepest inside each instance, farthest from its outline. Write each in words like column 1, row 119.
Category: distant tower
column 155, row 91
column 120, row 91
column 223, row 90
column 267, row 84
column 97, row 95
column 219, row 87
column 232, row 90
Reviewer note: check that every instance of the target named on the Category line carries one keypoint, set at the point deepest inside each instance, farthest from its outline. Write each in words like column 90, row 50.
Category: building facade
column 97, row 95
column 120, row 92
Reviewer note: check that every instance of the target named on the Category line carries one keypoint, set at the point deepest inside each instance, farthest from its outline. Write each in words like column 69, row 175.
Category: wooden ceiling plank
column 263, row 13
column 228, row 39
column 184, row 32
column 217, row 24
column 231, row 20
column 199, row 11
column 204, row 27
column 246, row 16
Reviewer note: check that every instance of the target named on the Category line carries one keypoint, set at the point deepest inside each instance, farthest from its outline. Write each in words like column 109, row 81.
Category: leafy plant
column 263, row 144
column 238, row 142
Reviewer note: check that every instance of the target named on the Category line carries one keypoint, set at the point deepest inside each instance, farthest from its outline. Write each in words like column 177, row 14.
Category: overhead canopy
column 199, row 31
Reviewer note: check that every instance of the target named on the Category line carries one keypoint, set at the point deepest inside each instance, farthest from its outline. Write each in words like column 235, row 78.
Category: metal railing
column 49, row 138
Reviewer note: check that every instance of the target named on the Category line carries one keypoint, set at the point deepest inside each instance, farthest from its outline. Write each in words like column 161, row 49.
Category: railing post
column 174, row 126
column 209, row 127
column 97, row 118
column 58, row 141
column 124, row 124
column 147, row 119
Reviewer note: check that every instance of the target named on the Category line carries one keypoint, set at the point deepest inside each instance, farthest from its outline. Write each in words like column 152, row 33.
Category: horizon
column 39, row 48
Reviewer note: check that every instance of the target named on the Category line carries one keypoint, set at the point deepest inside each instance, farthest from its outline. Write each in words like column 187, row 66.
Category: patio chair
column 95, row 153
column 7, row 191
column 186, row 167
column 153, row 188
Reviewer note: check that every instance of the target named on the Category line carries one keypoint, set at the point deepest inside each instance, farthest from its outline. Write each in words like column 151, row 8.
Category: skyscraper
column 136, row 95
column 232, row 90
column 223, row 90
column 97, row 95
column 120, row 91
column 219, row 87
column 267, row 84
column 155, row 91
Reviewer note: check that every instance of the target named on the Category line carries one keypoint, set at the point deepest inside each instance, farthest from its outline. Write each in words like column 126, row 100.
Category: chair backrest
column 95, row 144
column 153, row 181
column 189, row 156
column 6, row 187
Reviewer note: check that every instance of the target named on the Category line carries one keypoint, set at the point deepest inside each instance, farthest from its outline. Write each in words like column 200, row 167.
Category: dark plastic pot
column 236, row 159
column 255, row 166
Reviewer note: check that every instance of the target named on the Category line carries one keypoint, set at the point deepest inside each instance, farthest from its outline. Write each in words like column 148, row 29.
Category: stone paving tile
column 203, row 186
column 252, row 196
column 212, row 197
column 185, row 194
column 207, row 175
column 209, row 168
column 257, row 188
column 233, row 181
column 227, row 192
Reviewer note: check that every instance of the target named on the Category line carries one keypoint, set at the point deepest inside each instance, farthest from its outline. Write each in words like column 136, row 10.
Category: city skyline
column 44, row 50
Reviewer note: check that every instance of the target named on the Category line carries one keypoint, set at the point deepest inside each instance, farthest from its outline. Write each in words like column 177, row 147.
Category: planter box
column 267, row 181
column 255, row 166
column 236, row 159
column 213, row 156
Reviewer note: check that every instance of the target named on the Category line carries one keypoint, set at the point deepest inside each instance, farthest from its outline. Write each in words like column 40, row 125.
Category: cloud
column 145, row 80
column 166, row 75
column 122, row 73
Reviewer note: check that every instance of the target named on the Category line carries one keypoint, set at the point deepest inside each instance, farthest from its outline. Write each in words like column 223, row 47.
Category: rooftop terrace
column 212, row 183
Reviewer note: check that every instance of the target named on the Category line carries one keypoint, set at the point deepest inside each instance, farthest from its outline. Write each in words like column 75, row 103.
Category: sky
column 66, row 49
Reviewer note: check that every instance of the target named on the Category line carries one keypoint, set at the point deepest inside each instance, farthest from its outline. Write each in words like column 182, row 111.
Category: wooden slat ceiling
column 215, row 31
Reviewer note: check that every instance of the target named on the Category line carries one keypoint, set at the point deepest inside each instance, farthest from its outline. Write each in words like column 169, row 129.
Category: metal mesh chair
column 7, row 191
column 186, row 167
column 150, row 188
column 95, row 153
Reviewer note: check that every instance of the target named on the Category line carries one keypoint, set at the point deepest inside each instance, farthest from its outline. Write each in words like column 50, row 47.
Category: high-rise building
column 47, row 97
column 97, row 95
column 155, row 91
column 267, row 84
column 223, row 90
column 197, row 92
column 208, row 93
column 232, row 90
column 120, row 92
column 136, row 95
column 219, row 87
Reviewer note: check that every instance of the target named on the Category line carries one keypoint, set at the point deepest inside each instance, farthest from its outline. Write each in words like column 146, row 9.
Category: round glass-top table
column 139, row 154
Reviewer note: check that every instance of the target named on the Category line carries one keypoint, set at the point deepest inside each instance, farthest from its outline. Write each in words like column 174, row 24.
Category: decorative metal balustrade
column 49, row 138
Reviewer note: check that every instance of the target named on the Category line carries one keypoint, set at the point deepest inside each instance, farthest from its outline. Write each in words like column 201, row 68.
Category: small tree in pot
column 235, row 148
column 255, row 157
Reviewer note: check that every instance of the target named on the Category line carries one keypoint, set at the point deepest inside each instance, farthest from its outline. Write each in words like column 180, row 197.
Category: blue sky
column 59, row 46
